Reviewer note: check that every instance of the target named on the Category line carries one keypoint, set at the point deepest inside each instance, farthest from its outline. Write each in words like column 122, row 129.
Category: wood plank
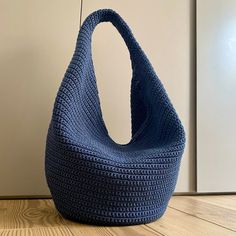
column 136, row 230
column 47, row 231
column 85, row 230
column 230, row 196
column 220, row 201
column 212, row 213
column 177, row 223
column 28, row 214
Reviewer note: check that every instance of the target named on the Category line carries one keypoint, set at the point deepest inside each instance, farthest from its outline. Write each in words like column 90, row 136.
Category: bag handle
column 106, row 15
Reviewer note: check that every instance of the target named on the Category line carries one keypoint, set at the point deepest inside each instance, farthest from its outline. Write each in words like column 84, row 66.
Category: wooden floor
column 186, row 215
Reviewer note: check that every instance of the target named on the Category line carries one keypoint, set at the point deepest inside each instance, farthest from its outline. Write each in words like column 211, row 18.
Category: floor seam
column 214, row 204
column 222, row 226
column 65, row 224
column 40, row 227
column 155, row 230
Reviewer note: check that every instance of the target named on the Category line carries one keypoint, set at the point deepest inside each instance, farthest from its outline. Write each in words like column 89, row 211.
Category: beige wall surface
column 165, row 30
column 216, row 95
column 37, row 42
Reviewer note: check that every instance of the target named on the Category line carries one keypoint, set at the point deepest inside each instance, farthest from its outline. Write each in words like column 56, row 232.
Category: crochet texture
column 92, row 179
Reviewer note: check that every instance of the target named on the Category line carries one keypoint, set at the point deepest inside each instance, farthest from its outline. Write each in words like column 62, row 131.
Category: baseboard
column 202, row 194
column 175, row 194
column 26, row 197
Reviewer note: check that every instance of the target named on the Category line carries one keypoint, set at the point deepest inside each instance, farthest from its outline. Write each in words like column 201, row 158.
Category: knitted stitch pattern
column 92, row 179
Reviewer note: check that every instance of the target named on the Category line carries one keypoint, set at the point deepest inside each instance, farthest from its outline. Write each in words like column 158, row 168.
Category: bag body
column 91, row 178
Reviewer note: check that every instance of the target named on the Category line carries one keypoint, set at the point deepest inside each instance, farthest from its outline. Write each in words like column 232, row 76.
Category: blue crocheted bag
column 92, row 179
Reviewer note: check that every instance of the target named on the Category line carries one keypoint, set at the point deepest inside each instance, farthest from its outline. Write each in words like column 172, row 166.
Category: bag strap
column 107, row 15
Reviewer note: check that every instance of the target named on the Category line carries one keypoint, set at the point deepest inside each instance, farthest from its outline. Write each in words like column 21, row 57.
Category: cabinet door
column 164, row 30
column 37, row 42
column 216, row 95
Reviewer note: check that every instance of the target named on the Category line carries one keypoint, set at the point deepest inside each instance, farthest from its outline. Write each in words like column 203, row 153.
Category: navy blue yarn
column 92, row 179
